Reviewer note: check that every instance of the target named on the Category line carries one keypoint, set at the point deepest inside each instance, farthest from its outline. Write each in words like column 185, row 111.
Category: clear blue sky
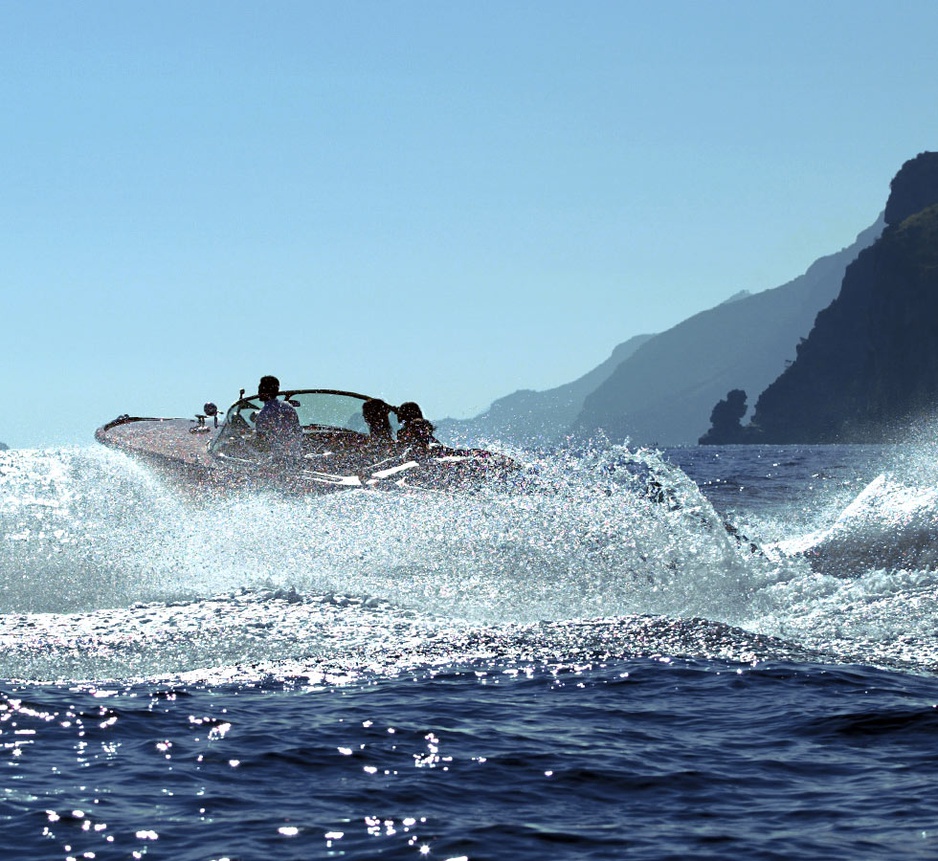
column 436, row 201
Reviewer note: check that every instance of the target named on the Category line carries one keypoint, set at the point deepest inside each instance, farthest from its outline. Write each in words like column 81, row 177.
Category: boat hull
column 181, row 450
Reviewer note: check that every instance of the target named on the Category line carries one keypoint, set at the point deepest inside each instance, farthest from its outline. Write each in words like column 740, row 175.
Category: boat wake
column 104, row 574
column 891, row 525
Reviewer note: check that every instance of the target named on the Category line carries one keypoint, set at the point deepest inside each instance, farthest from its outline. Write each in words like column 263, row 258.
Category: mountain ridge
column 539, row 417
column 660, row 389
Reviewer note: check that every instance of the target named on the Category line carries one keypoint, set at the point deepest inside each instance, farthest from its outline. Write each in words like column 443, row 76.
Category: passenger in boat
column 277, row 424
column 377, row 415
column 415, row 430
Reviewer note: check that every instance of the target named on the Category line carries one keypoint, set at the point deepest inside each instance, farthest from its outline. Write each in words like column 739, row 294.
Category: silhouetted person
column 377, row 415
column 415, row 430
column 277, row 423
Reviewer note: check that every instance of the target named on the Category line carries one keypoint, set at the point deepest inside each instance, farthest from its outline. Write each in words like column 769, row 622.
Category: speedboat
column 338, row 451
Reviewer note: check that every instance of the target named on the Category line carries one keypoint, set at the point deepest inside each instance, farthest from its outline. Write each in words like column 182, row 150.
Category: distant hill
column 538, row 418
column 660, row 389
column 869, row 367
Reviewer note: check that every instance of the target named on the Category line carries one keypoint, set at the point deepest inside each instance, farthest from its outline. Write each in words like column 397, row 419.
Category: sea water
column 703, row 652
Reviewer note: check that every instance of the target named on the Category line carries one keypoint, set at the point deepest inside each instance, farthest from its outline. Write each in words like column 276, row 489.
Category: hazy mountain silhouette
column 869, row 367
column 660, row 389
column 539, row 418
column 665, row 392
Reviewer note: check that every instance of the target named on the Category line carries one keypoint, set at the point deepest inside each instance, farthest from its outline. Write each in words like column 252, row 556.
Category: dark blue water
column 570, row 670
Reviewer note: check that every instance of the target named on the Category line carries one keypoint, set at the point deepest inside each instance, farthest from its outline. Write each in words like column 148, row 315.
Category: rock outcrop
column 726, row 420
column 913, row 188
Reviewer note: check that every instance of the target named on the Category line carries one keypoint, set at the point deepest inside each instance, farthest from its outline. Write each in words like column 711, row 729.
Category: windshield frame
column 241, row 414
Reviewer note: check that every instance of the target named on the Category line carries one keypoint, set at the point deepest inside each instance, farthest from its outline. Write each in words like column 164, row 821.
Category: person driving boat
column 277, row 424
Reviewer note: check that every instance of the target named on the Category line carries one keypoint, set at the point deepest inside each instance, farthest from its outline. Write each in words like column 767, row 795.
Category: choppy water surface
column 574, row 667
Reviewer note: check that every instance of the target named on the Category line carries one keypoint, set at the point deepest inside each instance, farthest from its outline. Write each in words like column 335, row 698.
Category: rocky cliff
column 868, row 370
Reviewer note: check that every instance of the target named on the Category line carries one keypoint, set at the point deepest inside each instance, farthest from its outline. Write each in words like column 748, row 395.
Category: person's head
column 377, row 416
column 268, row 388
column 408, row 411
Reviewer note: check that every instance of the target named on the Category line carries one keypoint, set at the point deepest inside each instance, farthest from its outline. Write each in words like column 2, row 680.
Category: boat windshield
column 318, row 409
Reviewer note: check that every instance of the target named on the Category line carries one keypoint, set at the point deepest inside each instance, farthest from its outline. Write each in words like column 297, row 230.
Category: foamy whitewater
column 707, row 652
